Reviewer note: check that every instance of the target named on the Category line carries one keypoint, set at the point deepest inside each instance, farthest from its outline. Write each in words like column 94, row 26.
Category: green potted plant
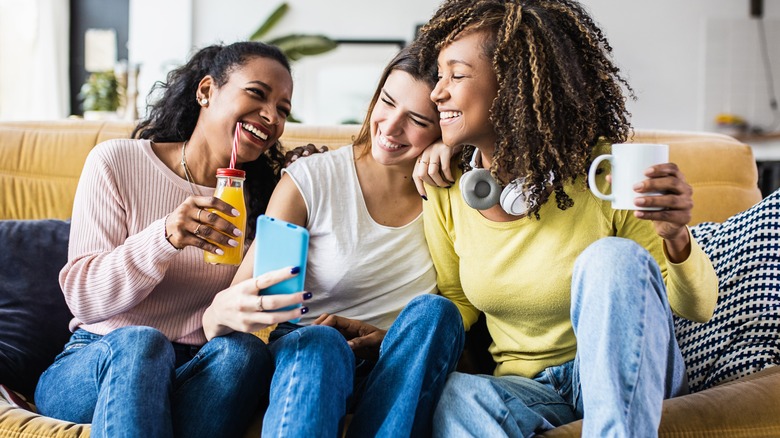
column 100, row 95
column 294, row 46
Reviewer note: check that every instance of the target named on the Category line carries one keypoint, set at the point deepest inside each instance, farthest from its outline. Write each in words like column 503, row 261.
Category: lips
column 256, row 131
column 445, row 115
column 387, row 144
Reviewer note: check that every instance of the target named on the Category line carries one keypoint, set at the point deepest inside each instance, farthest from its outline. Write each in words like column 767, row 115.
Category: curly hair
column 559, row 91
column 173, row 116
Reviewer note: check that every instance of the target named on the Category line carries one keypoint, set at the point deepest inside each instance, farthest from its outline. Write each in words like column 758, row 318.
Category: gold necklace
column 187, row 173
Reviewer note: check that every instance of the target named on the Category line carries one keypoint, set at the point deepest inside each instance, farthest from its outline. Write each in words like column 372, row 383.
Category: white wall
column 660, row 44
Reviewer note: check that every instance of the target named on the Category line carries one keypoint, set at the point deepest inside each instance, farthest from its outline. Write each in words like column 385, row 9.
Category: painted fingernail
column 425, row 198
column 295, row 270
column 219, row 251
column 232, row 243
column 237, row 232
column 304, row 310
column 307, row 296
column 235, row 212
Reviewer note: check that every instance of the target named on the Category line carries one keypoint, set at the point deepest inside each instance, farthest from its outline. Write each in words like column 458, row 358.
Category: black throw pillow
column 33, row 314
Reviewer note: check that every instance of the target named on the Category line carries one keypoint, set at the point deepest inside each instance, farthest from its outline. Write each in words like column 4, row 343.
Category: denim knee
column 141, row 342
column 433, row 310
column 321, row 342
column 611, row 253
column 239, row 352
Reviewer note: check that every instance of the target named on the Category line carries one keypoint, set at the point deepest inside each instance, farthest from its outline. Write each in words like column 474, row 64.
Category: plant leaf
column 270, row 22
column 296, row 46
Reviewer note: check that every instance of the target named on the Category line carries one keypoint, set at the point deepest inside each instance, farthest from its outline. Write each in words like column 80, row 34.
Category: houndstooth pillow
column 743, row 335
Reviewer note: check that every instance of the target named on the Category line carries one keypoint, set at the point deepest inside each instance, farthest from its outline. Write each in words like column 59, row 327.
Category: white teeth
column 255, row 131
column 388, row 144
column 450, row 114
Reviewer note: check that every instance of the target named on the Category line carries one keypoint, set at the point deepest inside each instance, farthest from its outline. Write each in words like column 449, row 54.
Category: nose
column 269, row 115
column 393, row 123
column 439, row 92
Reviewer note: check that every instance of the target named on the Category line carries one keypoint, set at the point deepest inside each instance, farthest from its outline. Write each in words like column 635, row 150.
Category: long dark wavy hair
column 173, row 116
column 406, row 60
column 559, row 91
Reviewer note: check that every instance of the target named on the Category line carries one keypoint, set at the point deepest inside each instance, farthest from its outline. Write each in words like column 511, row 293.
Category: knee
column 244, row 351
column 321, row 342
column 139, row 344
column 434, row 312
column 612, row 256
column 142, row 341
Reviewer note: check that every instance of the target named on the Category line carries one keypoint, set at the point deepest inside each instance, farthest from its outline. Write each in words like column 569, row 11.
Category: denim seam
column 288, row 384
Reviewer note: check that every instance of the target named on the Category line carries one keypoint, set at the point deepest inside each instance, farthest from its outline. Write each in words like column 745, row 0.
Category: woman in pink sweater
column 138, row 363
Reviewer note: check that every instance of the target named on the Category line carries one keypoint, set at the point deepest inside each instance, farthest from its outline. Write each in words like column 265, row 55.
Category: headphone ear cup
column 479, row 189
column 513, row 199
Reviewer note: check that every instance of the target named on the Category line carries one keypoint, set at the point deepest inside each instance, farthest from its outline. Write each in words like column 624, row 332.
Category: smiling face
column 465, row 92
column 257, row 94
column 403, row 121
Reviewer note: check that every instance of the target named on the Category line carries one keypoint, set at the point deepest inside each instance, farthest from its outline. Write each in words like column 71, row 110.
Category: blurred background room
column 695, row 65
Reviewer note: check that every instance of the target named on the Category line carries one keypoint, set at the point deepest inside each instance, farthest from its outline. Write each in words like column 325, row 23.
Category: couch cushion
column 33, row 315
column 743, row 336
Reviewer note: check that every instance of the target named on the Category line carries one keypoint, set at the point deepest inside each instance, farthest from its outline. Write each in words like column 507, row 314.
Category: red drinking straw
column 235, row 146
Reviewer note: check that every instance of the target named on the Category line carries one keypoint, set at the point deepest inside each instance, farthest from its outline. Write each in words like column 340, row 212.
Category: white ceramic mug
column 629, row 162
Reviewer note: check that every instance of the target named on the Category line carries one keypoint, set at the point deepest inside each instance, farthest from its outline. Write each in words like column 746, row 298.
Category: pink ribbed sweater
column 121, row 271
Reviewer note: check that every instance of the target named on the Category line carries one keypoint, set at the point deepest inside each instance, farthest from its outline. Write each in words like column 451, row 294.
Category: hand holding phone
column 280, row 244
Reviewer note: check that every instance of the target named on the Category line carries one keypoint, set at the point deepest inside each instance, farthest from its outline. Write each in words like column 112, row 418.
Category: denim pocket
column 560, row 378
column 78, row 340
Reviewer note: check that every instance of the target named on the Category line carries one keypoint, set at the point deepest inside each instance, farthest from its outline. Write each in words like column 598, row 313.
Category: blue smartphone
column 280, row 244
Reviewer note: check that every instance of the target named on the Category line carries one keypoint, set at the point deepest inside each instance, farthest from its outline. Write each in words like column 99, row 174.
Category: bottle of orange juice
column 230, row 188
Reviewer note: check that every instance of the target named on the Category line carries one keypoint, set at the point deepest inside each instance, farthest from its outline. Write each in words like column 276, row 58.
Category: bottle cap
column 232, row 173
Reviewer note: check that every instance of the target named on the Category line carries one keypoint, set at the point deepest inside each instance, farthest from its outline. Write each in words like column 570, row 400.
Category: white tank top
column 356, row 268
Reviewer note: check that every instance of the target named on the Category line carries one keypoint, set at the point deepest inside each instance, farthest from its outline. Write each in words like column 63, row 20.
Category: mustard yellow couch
column 40, row 163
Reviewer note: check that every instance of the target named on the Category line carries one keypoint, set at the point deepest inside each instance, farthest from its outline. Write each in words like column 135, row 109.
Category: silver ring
column 197, row 231
column 200, row 210
column 260, row 304
column 433, row 163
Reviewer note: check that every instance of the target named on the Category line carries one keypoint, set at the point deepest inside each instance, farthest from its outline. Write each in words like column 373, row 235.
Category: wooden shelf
column 747, row 138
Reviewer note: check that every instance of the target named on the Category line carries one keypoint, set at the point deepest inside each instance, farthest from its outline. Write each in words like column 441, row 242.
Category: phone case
column 281, row 244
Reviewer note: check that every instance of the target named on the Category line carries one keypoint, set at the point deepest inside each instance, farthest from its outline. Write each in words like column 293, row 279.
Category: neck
column 196, row 165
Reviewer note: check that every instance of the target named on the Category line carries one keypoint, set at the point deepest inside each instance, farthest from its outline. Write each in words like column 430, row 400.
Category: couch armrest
column 747, row 407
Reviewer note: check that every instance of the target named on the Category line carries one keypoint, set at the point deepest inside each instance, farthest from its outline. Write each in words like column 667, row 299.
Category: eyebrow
column 269, row 88
column 458, row 61
column 418, row 115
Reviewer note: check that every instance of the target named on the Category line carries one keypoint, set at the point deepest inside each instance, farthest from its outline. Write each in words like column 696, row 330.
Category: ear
column 204, row 88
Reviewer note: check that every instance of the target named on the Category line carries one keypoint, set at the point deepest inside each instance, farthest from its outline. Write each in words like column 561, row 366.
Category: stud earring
column 204, row 102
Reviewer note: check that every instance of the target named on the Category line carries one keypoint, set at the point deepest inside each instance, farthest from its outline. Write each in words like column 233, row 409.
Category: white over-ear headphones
column 481, row 191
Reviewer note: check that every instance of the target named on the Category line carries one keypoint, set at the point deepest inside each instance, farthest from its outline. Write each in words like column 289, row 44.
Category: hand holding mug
column 643, row 180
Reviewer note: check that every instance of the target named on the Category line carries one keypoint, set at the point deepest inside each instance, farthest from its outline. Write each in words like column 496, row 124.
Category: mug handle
column 592, row 177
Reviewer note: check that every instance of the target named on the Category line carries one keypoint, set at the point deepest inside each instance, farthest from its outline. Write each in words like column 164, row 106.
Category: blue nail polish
column 295, row 270
column 307, row 296
column 304, row 310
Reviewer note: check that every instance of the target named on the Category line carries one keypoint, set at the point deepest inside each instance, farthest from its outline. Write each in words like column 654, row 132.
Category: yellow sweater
column 519, row 273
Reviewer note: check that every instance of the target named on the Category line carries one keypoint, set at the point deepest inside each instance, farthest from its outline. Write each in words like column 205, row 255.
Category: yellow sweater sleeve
column 439, row 233
column 692, row 285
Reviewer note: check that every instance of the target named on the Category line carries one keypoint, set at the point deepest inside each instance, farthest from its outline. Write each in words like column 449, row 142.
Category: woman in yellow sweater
column 578, row 297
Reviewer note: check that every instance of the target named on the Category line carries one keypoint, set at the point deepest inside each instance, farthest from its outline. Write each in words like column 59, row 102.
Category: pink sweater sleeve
column 113, row 263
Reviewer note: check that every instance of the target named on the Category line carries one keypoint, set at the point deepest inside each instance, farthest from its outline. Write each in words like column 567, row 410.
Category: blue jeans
column 318, row 379
column 627, row 360
column 133, row 382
